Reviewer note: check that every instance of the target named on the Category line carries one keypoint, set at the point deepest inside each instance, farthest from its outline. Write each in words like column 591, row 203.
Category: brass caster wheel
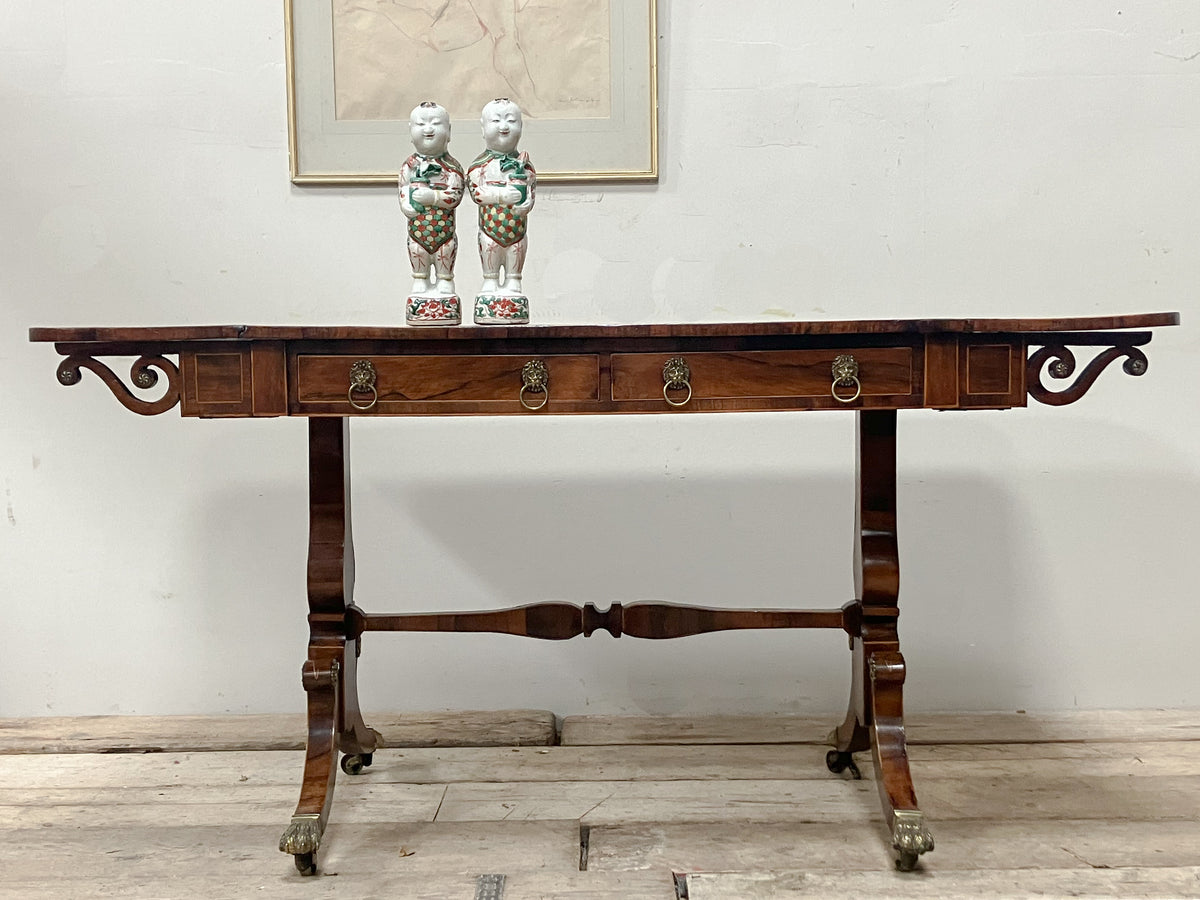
column 906, row 861
column 305, row 864
column 353, row 764
column 839, row 762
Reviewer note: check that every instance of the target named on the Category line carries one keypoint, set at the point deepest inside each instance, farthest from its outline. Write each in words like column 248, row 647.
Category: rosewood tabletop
column 875, row 368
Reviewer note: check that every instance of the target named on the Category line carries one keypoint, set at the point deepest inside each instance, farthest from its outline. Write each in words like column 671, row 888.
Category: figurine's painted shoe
column 433, row 309
column 501, row 309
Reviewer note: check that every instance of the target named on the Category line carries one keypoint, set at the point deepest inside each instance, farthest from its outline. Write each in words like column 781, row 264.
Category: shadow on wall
column 724, row 540
column 988, row 621
column 1078, row 603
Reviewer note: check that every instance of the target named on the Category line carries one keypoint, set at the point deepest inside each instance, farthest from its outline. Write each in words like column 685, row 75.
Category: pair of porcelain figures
column 502, row 183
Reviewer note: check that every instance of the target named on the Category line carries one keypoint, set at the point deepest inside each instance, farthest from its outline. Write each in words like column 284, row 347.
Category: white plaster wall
column 819, row 160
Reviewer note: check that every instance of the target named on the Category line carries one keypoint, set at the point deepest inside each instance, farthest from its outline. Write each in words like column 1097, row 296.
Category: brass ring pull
column 677, row 376
column 853, row 382
column 545, row 398
column 535, row 379
column 364, row 406
column 684, row 401
column 845, row 374
column 362, row 380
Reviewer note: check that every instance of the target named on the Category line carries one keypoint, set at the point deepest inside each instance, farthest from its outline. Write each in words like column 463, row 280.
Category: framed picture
column 584, row 73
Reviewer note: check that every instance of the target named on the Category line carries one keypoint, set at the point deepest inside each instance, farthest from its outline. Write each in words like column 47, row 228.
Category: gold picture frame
column 619, row 146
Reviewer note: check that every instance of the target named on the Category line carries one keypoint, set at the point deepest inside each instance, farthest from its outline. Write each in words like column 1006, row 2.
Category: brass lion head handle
column 677, row 377
column 845, row 375
column 535, row 379
column 362, row 381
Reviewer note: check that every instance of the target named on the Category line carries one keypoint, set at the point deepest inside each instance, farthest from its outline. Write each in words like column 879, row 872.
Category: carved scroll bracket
column 142, row 374
column 1056, row 359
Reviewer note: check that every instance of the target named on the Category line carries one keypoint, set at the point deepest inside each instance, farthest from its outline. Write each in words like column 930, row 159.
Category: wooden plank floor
column 1079, row 805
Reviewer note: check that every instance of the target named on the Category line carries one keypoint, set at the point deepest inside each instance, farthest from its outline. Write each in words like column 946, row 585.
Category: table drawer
column 451, row 384
column 772, row 378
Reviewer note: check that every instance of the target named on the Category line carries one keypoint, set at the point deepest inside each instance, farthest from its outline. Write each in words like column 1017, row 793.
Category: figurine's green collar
column 509, row 162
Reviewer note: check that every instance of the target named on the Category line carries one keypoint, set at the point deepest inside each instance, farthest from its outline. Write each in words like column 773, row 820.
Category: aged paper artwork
column 552, row 56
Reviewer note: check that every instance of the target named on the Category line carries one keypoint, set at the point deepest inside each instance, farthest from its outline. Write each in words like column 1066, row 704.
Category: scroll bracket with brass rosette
column 677, row 377
column 1056, row 359
column 362, row 381
column 845, row 376
column 142, row 375
column 535, row 380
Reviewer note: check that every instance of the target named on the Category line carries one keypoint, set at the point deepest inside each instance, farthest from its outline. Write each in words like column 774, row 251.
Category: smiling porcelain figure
column 431, row 187
column 503, row 183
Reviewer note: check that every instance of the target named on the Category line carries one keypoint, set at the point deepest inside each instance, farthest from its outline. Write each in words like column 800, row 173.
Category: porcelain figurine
column 503, row 183
column 431, row 187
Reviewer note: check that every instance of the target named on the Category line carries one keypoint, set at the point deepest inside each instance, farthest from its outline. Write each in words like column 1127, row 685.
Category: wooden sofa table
column 332, row 375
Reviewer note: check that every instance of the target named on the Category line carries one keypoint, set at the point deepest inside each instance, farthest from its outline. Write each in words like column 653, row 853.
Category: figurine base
column 501, row 308
column 433, row 309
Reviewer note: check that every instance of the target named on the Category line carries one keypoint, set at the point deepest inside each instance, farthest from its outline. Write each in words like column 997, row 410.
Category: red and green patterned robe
column 502, row 223
column 431, row 227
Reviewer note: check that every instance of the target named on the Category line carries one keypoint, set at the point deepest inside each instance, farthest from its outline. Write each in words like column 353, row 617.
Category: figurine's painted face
column 429, row 127
column 502, row 124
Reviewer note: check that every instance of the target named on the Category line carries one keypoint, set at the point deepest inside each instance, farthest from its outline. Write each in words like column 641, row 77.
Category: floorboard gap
column 681, row 885
column 585, row 835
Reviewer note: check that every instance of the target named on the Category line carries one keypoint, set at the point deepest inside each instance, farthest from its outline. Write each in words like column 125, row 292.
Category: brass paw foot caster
column 301, row 839
column 839, row 762
column 353, row 764
column 910, row 838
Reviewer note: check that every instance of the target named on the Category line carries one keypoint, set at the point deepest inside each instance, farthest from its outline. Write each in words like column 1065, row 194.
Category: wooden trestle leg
column 875, row 720
column 328, row 675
